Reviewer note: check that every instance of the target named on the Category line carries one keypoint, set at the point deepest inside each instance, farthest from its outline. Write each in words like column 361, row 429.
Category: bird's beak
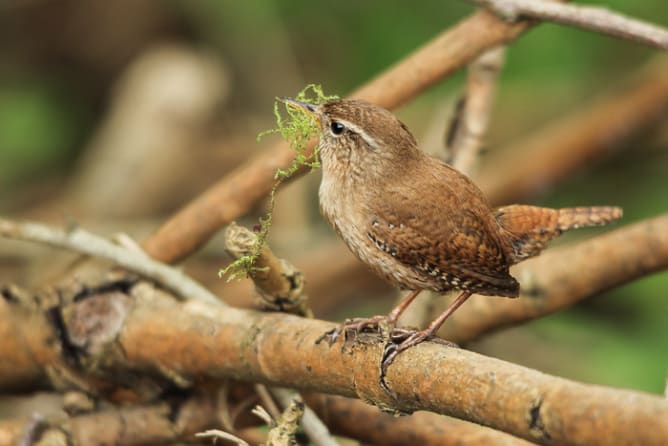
column 310, row 109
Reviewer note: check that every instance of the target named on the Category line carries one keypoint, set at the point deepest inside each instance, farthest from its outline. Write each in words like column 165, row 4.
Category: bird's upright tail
column 529, row 228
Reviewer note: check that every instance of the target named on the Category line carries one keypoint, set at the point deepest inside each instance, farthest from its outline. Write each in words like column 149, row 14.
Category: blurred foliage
column 51, row 99
column 38, row 126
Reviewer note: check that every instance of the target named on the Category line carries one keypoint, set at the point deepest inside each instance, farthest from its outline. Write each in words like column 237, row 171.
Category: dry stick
column 348, row 417
column 316, row 430
column 285, row 426
column 222, row 435
column 562, row 277
column 466, row 136
column 595, row 131
column 352, row 418
column 237, row 193
column 279, row 284
column 138, row 425
column 79, row 240
column 587, row 17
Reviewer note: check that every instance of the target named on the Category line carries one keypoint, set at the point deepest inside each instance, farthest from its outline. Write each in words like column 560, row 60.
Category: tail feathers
column 530, row 228
column 582, row 217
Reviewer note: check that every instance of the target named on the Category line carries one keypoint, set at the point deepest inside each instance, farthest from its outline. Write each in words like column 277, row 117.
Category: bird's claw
column 330, row 335
column 400, row 340
column 354, row 327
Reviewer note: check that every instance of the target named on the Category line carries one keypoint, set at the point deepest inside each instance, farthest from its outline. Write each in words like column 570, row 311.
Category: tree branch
column 469, row 126
column 124, row 426
column 196, row 340
column 352, row 418
column 279, row 284
column 586, row 17
column 79, row 240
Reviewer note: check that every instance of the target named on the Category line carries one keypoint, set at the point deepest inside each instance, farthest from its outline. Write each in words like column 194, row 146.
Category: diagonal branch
column 79, row 240
column 586, row 17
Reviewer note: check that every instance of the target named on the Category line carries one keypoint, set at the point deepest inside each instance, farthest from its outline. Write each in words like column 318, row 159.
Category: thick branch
column 587, row 17
column 237, row 193
column 195, row 340
column 352, row 418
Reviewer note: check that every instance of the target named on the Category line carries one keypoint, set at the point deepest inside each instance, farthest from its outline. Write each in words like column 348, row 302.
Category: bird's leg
column 392, row 350
column 358, row 324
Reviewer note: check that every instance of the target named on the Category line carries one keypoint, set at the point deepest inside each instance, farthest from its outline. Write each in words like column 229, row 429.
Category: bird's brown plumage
column 438, row 223
column 417, row 221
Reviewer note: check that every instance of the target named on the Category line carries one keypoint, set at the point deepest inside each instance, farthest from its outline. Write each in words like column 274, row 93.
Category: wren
column 418, row 222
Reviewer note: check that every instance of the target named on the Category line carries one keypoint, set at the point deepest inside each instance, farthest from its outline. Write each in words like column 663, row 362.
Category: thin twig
column 316, row 430
column 591, row 18
column 267, row 401
column 79, row 240
column 262, row 414
column 215, row 434
column 285, row 428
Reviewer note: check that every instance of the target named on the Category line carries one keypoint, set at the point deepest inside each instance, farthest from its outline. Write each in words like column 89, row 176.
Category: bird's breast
column 348, row 214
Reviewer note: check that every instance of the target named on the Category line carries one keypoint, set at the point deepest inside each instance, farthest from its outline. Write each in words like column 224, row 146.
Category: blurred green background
column 60, row 61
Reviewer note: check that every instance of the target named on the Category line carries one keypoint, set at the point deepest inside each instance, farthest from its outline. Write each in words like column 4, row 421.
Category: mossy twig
column 298, row 128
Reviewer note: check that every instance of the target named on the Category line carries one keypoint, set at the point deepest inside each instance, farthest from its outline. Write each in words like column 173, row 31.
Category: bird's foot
column 400, row 340
column 354, row 326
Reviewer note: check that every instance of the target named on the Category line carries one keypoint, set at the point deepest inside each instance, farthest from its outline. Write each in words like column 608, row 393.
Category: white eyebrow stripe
column 365, row 136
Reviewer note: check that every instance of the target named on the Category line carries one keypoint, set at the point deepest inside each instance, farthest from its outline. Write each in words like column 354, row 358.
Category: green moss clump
column 298, row 128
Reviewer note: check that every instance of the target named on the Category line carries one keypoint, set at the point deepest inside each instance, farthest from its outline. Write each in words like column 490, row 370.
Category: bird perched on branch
column 418, row 222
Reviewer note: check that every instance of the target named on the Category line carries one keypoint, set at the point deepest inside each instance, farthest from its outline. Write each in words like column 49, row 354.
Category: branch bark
column 194, row 340
column 586, row 17
column 352, row 418
column 469, row 126
column 125, row 426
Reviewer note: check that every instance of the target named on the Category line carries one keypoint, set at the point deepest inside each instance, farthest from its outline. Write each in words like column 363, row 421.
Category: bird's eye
column 337, row 128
